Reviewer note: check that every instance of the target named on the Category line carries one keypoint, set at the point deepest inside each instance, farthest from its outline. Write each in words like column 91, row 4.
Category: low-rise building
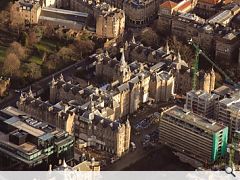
column 161, row 86
column 227, row 47
column 140, row 13
column 31, row 142
column 25, row 12
column 4, row 84
column 202, row 103
column 193, row 135
column 205, row 80
column 110, row 22
column 82, row 166
column 168, row 10
column 93, row 119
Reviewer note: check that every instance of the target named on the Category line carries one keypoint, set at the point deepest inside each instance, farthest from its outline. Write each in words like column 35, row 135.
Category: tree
column 32, row 38
column 17, row 49
column 65, row 53
column 83, row 47
column 23, row 38
column 11, row 64
column 186, row 52
column 150, row 38
column 51, row 63
column 31, row 70
column 48, row 30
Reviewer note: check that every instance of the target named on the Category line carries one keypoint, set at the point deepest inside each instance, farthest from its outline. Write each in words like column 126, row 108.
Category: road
column 133, row 157
column 38, row 87
column 159, row 157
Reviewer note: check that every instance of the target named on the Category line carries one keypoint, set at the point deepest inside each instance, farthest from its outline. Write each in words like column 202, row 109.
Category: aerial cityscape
column 120, row 85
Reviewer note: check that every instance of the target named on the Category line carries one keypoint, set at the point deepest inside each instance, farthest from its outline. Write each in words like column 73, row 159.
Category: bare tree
column 32, row 38
column 65, row 53
column 31, row 70
column 186, row 52
column 11, row 64
column 17, row 49
column 83, row 47
column 149, row 37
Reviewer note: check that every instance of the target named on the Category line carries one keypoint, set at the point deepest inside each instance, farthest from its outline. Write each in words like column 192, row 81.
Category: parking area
column 144, row 135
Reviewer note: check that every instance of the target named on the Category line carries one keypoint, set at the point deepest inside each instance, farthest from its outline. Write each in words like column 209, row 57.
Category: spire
column 30, row 93
column 21, row 99
column 64, row 163
column 61, row 77
column 133, row 40
column 91, row 104
column 122, row 60
column 107, row 54
column 179, row 56
column 167, row 48
column 212, row 71
column 126, row 45
column 21, row 96
column 53, row 79
column 53, row 82
column 50, row 167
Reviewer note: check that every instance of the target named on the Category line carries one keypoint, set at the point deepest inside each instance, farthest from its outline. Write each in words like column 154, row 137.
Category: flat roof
column 17, row 123
column 222, row 90
column 203, row 95
column 194, row 119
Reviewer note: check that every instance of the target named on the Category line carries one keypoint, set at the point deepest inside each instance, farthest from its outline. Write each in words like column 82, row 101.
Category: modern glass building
column 27, row 143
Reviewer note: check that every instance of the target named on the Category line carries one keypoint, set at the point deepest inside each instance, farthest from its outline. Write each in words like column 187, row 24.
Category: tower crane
column 199, row 51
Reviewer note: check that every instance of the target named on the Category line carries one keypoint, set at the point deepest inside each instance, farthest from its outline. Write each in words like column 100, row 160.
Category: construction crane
column 198, row 51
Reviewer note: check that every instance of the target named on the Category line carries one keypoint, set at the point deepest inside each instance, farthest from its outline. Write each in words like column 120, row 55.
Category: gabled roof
column 185, row 6
column 210, row 1
column 168, row 5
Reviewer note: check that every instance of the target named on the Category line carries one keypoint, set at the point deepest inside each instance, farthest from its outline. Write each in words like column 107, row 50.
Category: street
column 133, row 160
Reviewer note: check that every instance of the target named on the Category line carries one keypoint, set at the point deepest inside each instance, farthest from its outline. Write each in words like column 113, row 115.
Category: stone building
column 227, row 47
column 165, row 13
column 140, row 13
column 110, row 22
column 184, row 78
column 115, row 3
column 60, row 115
column 86, row 165
column 112, row 69
column 85, row 121
column 4, row 84
column 136, row 51
column 207, row 8
column 214, row 34
column 140, row 81
column 169, row 9
column 168, row 60
column 162, row 86
column 25, row 12
column 49, row 3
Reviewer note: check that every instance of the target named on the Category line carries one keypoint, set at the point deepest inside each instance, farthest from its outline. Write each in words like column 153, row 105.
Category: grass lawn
column 2, row 53
column 46, row 46
column 36, row 60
